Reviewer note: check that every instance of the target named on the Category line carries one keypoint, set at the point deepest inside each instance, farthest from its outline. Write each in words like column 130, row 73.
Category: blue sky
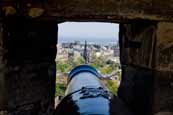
column 90, row 31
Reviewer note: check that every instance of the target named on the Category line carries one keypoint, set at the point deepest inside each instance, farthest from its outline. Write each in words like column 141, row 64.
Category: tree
column 112, row 86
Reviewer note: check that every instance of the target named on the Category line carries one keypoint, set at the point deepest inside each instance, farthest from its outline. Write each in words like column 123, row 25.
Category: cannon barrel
column 85, row 94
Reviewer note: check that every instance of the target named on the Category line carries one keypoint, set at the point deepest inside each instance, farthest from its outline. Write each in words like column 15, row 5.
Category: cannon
column 85, row 94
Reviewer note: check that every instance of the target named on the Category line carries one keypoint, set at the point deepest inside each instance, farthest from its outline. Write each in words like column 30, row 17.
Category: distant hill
column 89, row 40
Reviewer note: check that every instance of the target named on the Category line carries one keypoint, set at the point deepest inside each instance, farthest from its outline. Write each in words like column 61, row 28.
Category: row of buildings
column 77, row 49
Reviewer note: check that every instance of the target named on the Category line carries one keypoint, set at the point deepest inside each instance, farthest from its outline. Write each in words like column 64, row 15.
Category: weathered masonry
column 28, row 38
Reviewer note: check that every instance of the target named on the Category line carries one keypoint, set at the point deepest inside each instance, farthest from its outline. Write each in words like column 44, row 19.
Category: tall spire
column 85, row 55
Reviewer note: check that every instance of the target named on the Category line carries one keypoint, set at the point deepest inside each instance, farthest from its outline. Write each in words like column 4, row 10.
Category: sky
column 96, row 32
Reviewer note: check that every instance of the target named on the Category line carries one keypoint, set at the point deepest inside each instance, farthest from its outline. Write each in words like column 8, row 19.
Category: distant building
column 77, row 49
column 77, row 43
column 67, row 45
column 62, row 54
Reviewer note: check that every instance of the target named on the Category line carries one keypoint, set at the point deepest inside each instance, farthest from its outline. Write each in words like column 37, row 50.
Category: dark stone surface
column 146, row 57
column 164, row 47
column 30, row 66
column 119, row 10
column 164, row 91
column 137, row 89
column 3, row 97
column 137, row 43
